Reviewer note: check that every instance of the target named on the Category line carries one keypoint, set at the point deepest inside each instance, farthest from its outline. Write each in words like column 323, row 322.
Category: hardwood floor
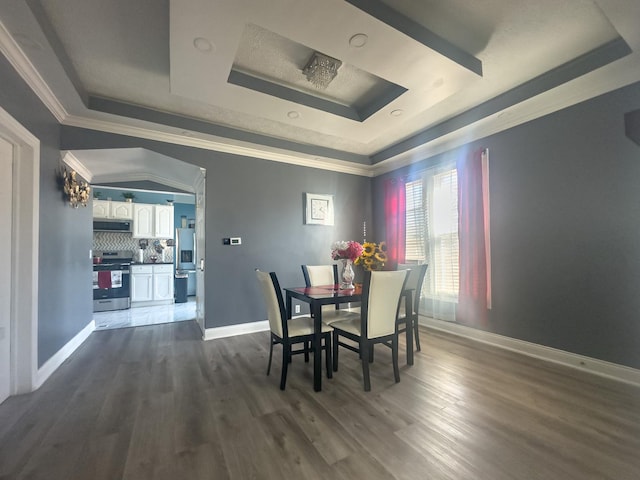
column 156, row 402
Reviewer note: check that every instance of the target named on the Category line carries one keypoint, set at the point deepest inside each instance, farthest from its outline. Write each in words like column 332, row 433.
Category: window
column 442, row 225
column 432, row 236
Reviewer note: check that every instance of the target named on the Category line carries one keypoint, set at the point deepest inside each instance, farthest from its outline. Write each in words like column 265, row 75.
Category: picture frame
column 318, row 209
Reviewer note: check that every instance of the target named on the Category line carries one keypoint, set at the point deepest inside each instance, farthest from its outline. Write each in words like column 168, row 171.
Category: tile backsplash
column 124, row 241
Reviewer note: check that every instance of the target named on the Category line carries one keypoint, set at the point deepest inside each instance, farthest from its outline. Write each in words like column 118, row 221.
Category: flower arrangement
column 373, row 257
column 343, row 249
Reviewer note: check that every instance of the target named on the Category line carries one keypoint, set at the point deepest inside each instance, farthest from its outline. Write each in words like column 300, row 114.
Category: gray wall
column 261, row 202
column 565, row 209
column 565, row 229
column 64, row 302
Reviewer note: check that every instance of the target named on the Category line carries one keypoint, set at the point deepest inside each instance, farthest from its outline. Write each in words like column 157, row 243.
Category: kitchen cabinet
column 151, row 285
column 122, row 210
column 152, row 221
column 111, row 209
column 163, row 282
column 163, row 221
column 141, row 283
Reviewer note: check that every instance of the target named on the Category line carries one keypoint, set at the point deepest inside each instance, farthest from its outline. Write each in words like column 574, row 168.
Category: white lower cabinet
column 163, row 282
column 151, row 285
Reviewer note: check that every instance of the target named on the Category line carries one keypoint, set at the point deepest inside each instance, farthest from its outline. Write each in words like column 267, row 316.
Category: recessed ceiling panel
column 269, row 63
column 272, row 41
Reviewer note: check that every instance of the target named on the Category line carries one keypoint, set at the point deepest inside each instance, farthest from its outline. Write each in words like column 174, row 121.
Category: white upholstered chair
column 325, row 275
column 414, row 281
column 381, row 292
column 288, row 332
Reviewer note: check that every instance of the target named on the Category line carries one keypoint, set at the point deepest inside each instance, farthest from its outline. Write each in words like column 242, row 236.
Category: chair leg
column 270, row 355
column 335, row 351
column 416, row 334
column 371, row 353
column 328, row 353
column 365, row 367
column 394, row 355
column 306, row 351
column 286, row 358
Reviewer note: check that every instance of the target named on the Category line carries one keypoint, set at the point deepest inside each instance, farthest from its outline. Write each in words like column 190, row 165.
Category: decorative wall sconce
column 76, row 191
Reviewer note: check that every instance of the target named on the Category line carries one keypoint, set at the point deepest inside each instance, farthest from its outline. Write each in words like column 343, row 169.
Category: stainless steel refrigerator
column 186, row 256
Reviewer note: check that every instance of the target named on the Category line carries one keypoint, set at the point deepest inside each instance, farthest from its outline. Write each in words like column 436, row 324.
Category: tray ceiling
column 416, row 77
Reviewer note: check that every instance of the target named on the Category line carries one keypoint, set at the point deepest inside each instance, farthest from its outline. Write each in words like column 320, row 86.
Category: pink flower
column 346, row 249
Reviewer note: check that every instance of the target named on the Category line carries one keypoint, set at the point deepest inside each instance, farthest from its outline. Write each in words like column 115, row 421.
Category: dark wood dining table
column 320, row 295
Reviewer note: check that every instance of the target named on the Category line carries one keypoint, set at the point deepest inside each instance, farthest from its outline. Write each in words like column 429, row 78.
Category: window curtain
column 394, row 214
column 474, row 284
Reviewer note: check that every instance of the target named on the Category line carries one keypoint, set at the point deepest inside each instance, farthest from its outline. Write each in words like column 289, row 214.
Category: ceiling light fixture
column 321, row 70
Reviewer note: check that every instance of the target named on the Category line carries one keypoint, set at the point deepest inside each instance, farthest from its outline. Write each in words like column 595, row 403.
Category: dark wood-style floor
column 157, row 403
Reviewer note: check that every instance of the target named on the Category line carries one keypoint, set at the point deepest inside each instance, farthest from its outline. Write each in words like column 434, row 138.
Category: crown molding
column 217, row 145
column 16, row 57
column 74, row 163
column 145, row 176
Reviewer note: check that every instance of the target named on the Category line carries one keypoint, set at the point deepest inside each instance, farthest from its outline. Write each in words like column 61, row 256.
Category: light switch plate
column 236, row 241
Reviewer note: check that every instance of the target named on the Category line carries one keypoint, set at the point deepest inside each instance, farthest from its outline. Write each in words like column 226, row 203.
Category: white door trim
column 25, row 242
column 200, row 193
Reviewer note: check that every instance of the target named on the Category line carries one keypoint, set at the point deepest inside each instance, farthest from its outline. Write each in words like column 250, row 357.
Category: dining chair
column 288, row 332
column 414, row 281
column 325, row 275
column 381, row 292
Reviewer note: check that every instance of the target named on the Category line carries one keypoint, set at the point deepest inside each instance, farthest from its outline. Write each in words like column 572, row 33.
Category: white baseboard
column 598, row 367
column 232, row 330
column 61, row 355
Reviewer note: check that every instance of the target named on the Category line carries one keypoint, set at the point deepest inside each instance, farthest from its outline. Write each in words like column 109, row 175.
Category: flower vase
column 348, row 275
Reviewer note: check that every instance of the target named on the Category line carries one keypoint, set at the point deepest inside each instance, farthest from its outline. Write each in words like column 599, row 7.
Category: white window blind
column 432, row 231
column 442, row 225
column 415, row 241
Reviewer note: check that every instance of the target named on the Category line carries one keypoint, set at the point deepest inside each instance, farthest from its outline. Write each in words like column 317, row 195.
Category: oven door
column 111, row 287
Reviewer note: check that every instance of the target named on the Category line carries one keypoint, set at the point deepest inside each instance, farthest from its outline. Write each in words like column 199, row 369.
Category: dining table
column 319, row 295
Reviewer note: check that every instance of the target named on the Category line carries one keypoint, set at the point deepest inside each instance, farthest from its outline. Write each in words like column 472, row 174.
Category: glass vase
column 348, row 275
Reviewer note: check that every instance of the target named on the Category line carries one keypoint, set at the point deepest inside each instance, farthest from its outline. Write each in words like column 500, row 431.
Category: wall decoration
column 76, row 191
column 318, row 209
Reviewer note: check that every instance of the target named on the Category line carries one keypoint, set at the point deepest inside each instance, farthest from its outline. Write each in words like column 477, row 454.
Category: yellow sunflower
column 373, row 256
column 368, row 249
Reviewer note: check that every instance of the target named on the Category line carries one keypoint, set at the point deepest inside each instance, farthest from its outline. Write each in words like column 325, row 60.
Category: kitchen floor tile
column 140, row 316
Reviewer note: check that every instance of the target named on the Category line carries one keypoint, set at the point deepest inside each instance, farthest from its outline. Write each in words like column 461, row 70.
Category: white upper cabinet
column 101, row 208
column 143, row 220
column 111, row 209
column 152, row 221
column 163, row 227
column 122, row 210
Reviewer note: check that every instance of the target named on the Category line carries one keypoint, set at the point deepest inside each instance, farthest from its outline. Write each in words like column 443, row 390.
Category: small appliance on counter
column 111, row 280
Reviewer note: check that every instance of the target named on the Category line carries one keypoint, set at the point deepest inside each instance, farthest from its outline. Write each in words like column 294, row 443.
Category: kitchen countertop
column 151, row 263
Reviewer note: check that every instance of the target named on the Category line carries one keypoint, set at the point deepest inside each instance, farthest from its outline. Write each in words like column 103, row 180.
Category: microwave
column 112, row 226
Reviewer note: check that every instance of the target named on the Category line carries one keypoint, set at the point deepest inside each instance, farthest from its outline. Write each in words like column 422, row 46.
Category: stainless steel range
column 111, row 281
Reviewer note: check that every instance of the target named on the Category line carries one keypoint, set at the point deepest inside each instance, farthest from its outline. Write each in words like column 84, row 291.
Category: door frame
column 200, row 248
column 23, row 323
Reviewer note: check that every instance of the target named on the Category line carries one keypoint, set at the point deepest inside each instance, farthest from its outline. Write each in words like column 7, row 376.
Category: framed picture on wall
column 318, row 209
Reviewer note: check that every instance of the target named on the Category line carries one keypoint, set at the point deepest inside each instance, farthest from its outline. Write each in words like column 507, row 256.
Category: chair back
column 414, row 281
column 276, row 313
column 320, row 274
column 381, row 291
